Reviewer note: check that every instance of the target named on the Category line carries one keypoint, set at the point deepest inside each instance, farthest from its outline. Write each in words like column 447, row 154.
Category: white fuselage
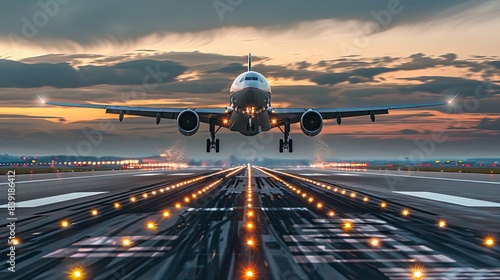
column 250, row 101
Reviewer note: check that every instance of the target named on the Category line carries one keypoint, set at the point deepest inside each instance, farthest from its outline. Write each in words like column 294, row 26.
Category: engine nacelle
column 188, row 122
column 311, row 123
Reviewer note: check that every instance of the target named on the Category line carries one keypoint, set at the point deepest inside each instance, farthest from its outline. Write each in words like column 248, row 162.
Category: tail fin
column 249, row 61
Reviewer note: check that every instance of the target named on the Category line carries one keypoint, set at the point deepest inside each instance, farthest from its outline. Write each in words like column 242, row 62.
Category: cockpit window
column 247, row 78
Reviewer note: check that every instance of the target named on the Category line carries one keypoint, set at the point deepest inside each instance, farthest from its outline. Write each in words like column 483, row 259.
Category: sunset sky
column 330, row 54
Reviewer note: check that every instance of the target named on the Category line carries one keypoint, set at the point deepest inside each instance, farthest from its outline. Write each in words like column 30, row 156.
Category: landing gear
column 250, row 125
column 285, row 143
column 213, row 143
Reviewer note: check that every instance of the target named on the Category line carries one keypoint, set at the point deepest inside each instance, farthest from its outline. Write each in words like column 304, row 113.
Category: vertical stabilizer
column 249, row 61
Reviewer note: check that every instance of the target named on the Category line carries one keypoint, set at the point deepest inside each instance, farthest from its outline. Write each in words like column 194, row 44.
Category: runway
column 251, row 222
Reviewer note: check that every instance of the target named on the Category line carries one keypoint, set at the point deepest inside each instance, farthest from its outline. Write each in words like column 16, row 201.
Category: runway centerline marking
column 458, row 200
column 52, row 199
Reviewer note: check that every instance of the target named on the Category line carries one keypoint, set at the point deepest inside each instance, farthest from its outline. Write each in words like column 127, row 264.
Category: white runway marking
column 180, row 174
column 463, row 201
column 422, row 177
column 52, row 199
column 149, row 174
column 314, row 174
column 77, row 177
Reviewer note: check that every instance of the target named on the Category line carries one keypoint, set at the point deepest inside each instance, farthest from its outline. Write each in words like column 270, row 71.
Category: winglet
column 453, row 98
column 249, row 61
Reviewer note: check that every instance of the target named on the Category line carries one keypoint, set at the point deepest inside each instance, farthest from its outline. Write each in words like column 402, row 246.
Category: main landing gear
column 213, row 143
column 285, row 143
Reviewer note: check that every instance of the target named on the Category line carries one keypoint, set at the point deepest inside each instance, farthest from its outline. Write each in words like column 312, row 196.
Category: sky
column 327, row 54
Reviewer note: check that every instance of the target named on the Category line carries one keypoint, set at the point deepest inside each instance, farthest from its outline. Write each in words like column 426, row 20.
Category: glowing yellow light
column 365, row 199
column 442, row 223
column 250, row 213
column 250, row 242
column 249, row 204
column 310, row 199
column 153, row 192
column 249, row 199
column 15, row 241
column 383, row 205
column 274, row 121
column 353, row 195
column 249, row 273
column 177, row 205
column 249, row 225
column 319, row 205
column 343, row 191
column 64, row 223
column 225, row 121
column 161, row 190
column 126, row 242
column 405, row 212
column 94, row 212
column 335, row 190
column 151, row 225
column 417, row 274
column 374, row 242
column 186, row 199
column 193, row 196
column 117, row 205
column 145, row 195
column 489, row 241
column 166, row 214
column 347, row 226
column 331, row 214
column 77, row 274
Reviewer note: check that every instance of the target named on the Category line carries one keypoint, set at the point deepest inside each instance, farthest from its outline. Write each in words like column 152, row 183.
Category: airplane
column 249, row 113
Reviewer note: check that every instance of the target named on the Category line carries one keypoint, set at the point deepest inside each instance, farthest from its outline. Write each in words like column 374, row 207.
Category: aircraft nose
column 251, row 97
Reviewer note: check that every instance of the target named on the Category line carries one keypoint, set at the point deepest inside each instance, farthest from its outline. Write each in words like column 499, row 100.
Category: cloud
column 123, row 21
column 489, row 124
column 62, row 75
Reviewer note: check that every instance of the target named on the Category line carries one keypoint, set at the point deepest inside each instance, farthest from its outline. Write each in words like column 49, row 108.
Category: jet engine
column 188, row 122
column 311, row 123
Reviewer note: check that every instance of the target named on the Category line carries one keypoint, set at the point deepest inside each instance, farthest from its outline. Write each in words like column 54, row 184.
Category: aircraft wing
column 292, row 115
column 205, row 114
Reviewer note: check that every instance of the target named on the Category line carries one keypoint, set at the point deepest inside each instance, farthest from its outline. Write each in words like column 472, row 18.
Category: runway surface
column 254, row 223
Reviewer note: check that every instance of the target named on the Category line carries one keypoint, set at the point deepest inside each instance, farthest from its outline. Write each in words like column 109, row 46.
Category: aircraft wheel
column 208, row 145
column 216, row 145
column 290, row 146
column 281, row 145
